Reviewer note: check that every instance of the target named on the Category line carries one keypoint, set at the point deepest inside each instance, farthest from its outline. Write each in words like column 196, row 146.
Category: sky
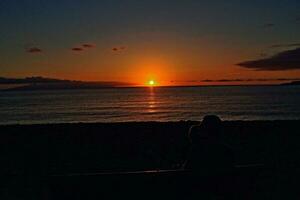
column 172, row 42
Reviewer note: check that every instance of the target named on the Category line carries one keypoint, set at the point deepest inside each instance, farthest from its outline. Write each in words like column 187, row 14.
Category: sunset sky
column 172, row 42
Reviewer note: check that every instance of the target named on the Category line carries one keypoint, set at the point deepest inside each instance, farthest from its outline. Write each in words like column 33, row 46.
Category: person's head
column 211, row 124
column 209, row 129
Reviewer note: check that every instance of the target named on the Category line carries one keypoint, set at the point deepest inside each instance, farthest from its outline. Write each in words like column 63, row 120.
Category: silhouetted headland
column 41, row 83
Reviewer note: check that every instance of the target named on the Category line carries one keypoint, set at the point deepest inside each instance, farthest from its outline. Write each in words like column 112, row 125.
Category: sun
column 151, row 83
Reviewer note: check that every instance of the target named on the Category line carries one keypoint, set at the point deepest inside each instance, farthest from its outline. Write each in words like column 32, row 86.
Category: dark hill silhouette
column 31, row 80
column 42, row 83
column 292, row 83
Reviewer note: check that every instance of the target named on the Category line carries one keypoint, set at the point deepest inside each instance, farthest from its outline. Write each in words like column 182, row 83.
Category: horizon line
column 119, row 84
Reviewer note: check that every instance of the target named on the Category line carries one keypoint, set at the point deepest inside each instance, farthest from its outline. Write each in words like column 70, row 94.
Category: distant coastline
column 42, row 83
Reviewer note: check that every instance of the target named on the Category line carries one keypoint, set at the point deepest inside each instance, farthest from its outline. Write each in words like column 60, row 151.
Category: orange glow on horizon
column 146, row 68
column 138, row 68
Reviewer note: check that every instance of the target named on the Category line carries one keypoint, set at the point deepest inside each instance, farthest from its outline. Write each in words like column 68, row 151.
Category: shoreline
column 138, row 146
column 80, row 159
column 142, row 145
column 145, row 122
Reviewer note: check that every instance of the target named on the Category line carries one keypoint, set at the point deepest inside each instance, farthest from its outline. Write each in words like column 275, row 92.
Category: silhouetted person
column 210, row 160
column 208, row 151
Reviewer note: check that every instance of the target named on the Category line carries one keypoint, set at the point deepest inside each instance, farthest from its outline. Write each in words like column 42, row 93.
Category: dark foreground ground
column 80, row 161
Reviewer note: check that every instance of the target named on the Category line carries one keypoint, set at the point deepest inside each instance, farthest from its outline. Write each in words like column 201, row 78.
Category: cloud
column 251, row 80
column 285, row 45
column 77, row 49
column 286, row 60
column 186, row 81
column 115, row 49
column 222, row 80
column 34, row 50
column 87, row 45
column 83, row 47
column 119, row 49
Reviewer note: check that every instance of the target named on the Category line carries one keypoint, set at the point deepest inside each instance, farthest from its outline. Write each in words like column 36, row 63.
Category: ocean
column 150, row 104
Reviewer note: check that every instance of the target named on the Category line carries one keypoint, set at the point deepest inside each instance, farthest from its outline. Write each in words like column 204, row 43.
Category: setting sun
column 151, row 82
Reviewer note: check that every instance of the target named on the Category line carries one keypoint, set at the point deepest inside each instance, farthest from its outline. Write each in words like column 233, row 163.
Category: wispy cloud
column 285, row 45
column 83, row 47
column 77, row 49
column 252, row 80
column 119, row 49
column 185, row 81
column 34, row 50
column 88, row 45
column 285, row 60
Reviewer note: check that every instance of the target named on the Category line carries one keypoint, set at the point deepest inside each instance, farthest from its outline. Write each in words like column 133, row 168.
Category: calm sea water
column 145, row 104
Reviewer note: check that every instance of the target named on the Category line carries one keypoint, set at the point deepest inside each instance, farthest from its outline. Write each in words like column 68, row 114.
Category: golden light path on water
column 151, row 101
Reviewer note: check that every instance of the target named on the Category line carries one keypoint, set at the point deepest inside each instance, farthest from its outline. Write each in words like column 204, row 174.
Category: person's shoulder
column 194, row 128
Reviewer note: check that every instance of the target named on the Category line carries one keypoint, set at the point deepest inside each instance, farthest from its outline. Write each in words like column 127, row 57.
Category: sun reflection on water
column 151, row 101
